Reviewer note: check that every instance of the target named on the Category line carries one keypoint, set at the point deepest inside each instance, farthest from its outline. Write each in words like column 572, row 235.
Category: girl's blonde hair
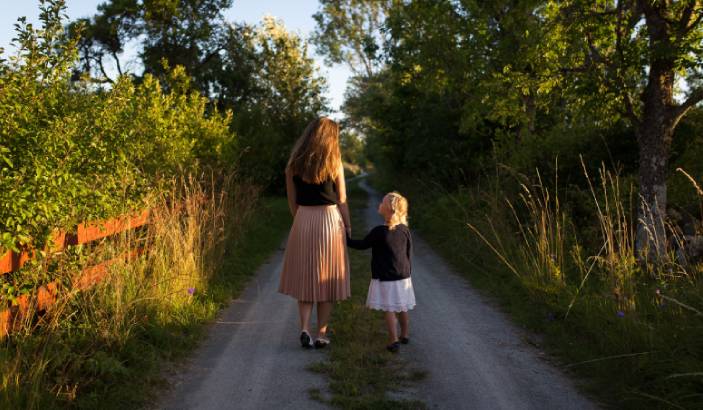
column 399, row 207
column 315, row 156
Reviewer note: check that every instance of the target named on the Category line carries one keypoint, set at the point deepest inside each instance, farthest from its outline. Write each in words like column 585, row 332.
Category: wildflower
column 621, row 313
column 191, row 291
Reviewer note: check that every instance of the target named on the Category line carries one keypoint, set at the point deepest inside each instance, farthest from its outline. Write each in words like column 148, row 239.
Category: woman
column 316, row 265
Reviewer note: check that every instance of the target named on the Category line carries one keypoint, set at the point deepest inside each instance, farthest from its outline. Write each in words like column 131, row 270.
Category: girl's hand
column 348, row 231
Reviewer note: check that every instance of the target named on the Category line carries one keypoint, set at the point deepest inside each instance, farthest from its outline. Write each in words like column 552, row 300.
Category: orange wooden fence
column 84, row 233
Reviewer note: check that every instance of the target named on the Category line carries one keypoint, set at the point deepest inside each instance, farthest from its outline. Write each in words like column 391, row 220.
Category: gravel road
column 252, row 358
column 474, row 357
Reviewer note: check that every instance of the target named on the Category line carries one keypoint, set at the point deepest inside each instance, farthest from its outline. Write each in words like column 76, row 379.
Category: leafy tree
column 349, row 31
column 279, row 94
column 633, row 53
column 463, row 77
column 106, row 35
column 352, row 146
column 262, row 72
column 190, row 33
column 460, row 77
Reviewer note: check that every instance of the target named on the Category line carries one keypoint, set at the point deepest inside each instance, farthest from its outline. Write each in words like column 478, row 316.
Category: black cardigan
column 390, row 251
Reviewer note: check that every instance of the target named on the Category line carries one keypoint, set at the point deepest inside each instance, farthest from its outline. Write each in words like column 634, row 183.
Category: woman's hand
column 342, row 199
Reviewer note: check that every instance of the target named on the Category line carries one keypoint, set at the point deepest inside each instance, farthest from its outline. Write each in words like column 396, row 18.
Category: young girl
column 391, row 288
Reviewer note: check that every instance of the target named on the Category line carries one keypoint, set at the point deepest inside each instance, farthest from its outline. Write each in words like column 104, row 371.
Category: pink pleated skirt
column 316, row 264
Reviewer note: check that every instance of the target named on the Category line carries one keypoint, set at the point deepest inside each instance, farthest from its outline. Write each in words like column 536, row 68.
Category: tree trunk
column 654, row 142
column 654, row 135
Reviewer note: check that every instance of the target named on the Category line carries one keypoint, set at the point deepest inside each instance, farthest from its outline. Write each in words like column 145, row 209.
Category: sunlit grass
column 104, row 347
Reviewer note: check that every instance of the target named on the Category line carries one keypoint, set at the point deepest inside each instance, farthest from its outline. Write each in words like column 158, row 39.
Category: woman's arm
column 342, row 199
column 291, row 194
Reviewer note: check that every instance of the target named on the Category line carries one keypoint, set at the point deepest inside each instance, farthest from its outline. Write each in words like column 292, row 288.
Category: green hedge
column 71, row 150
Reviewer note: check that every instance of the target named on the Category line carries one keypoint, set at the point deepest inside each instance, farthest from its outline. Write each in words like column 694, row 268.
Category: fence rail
column 45, row 296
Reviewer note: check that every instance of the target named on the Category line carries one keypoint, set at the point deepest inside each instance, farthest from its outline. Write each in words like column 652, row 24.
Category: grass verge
column 260, row 236
column 361, row 372
column 618, row 326
column 105, row 347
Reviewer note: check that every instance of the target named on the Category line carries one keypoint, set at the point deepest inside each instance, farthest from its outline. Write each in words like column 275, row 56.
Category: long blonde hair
column 315, row 157
column 399, row 207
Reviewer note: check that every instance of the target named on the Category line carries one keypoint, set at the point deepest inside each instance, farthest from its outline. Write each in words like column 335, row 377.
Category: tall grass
column 108, row 339
column 542, row 234
column 548, row 244
column 562, row 260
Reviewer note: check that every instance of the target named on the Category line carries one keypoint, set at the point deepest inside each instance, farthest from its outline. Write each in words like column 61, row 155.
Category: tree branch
column 99, row 60
column 686, row 16
column 209, row 57
column 695, row 22
column 117, row 63
column 660, row 9
column 694, row 98
column 684, row 25
column 627, row 99
column 594, row 52
column 629, row 107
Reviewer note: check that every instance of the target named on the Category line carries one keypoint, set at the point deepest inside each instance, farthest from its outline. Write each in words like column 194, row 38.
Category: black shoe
column 404, row 340
column 321, row 342
column 393, row 347
column 305, row 340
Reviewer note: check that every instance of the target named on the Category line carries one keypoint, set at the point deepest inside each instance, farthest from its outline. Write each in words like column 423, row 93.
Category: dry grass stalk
column 186, row 245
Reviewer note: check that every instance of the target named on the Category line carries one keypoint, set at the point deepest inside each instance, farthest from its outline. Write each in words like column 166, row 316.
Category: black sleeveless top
column 315, row 194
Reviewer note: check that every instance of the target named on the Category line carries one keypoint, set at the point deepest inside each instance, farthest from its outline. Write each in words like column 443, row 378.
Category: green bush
column 70, row 151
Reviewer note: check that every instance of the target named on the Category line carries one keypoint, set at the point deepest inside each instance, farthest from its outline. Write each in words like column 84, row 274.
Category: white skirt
column 391, row 296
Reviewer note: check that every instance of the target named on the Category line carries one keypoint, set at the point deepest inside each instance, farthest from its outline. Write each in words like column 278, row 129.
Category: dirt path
column 475, row 358
column 252, row 358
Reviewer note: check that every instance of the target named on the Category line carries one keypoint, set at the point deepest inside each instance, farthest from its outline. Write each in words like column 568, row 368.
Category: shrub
column 71, row 152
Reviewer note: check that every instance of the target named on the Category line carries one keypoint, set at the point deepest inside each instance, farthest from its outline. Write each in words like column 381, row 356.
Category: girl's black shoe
column 305, row 340
column 404, row 340
column 393, row 347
